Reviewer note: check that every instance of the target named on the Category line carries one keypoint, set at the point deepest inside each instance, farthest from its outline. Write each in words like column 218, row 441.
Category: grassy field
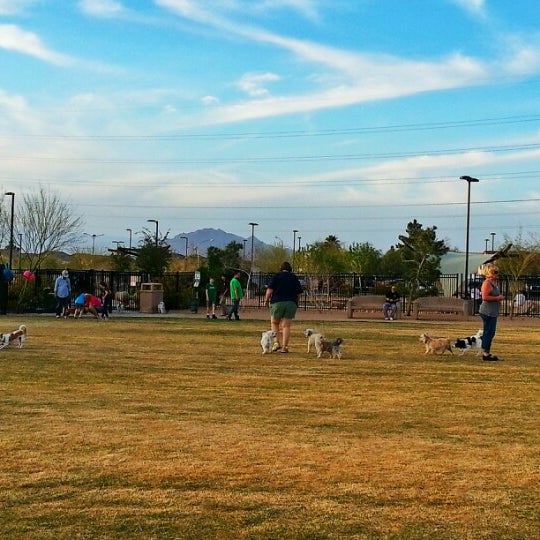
column 180, row 428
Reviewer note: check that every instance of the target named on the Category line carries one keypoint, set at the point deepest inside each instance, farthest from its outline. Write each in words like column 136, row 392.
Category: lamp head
column 469, row 178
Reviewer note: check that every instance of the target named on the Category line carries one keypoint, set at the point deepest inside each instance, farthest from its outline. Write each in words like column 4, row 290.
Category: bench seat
column 369, row 305
column 441, row 305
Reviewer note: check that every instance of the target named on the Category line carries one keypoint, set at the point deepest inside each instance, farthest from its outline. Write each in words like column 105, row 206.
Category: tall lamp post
column 469, row 180
column 157, row 228
column 12, row 195
column 93, row 236
column 486, row 241
column 130, row 231
column 185, row 251
column 294, row 247
column 20, row 251
column 253, row 225
column 492, row 242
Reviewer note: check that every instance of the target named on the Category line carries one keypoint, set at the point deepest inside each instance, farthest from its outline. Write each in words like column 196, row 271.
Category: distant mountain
column 200, row 240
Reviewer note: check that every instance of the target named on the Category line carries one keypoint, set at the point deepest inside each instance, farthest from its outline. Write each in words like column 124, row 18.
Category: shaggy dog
column 17, row 336
column 312, row 336
column 331, row 346
column 470, row 343
column 267, row 341
column 435, row 345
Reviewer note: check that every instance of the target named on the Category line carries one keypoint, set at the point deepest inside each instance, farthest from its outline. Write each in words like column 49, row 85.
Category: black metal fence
column 322, row 292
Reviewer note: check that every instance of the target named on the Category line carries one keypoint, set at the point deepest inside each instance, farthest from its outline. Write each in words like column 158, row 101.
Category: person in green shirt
column 237, row 294
column 211, row 298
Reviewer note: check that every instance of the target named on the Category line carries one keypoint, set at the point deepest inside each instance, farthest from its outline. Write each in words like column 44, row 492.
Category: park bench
column 440, row 305
column 369, row 305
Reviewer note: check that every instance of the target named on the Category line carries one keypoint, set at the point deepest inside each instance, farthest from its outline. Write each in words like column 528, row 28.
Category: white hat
column 65, row 273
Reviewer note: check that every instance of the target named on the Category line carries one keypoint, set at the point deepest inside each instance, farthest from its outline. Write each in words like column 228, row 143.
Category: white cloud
column 15, row 7
column 210, row 100
column 475, row 7
column 101, row 8
column 253, row 83
column 16, row 39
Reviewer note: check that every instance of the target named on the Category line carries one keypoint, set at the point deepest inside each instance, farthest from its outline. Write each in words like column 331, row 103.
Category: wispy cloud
column 101, row 8
column 253, row 84
column 349, row 77
column 15, row 7
column 16, row 39
column 475, row 7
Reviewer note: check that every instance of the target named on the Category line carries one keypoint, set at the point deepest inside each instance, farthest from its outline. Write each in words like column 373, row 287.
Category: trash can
column 150, row 295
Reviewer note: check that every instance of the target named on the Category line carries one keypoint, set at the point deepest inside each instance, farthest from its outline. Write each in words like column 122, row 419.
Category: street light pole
column 253, row 225
column 294, row 247
column 157, row 228
column 185, row 251
column 93, row 236
column 130, row 236
column 492, row 242
column 12, row 195
column 20, row 251
column 469, row 180
column 486, row 240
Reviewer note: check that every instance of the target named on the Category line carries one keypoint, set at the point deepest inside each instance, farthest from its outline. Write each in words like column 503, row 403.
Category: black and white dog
column 470, row 343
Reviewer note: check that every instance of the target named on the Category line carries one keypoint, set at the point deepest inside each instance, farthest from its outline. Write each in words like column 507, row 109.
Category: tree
column 221, row 261
column 151, row 258
column 523, row 259
column 47, row 224
column 326, row 257
column 270, row 259
column 422, row 252
column 363, row 258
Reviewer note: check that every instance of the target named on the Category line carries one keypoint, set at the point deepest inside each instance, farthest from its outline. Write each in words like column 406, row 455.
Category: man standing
column 237, row 294
column 390, row 305
column 62, row 292
column 211, row 298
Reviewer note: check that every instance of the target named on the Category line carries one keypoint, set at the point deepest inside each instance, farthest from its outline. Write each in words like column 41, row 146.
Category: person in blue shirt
column 62, row 292
column 282, row 297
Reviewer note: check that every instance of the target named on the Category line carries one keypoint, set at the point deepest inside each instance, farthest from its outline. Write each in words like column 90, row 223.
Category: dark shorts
column 283, row 310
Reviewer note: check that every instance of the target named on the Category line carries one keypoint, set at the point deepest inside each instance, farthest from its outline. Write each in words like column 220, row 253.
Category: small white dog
column 312, row 336
column 161, row 308
column 470, row 343
column 435, row 345
column 267, row 341
column 17, row 336
column 331, row 346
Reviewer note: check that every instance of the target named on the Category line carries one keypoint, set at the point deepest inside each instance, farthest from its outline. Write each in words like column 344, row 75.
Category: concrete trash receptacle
column 151, row 294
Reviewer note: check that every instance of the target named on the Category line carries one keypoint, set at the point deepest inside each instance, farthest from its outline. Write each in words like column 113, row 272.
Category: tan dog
column 312, row 336
column 435, row 345
column 18, row 335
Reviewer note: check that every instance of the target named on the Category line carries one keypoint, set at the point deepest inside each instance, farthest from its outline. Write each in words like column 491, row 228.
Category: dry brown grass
column 177, row 428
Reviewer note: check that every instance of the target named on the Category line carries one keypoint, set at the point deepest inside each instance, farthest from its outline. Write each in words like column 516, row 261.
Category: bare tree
column 47, row 224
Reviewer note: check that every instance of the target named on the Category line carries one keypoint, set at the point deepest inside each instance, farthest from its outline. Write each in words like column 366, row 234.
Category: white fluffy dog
column 312, row 336
column 470, row 343
column 161, row 308
column 435, row 345
column 267, row 341
column 17, row 336
column 331, row 346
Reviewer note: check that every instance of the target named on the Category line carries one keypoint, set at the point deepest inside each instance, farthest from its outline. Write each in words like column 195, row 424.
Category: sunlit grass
column 180, row 428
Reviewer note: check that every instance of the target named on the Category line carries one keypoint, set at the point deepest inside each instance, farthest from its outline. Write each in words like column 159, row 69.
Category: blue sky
column 342, row 117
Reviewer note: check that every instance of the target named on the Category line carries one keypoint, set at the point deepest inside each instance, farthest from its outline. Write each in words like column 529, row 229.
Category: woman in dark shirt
column 282, row 296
